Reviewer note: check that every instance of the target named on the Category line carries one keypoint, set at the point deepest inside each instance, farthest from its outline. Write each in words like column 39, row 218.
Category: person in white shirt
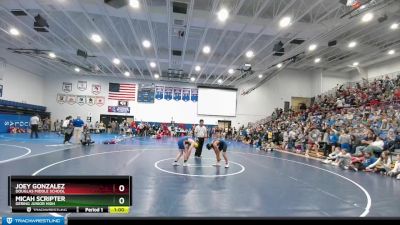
column 34, row 125
column 376, row 146
column 339, row 103
column 395, row 172
column 382, row 165
column 200, row 133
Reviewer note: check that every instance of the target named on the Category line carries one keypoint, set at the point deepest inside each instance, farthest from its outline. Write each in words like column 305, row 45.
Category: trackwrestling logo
column 34, row 220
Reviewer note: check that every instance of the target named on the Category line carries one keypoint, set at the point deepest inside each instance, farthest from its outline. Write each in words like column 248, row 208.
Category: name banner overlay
column 77, row 194
column 26, row 220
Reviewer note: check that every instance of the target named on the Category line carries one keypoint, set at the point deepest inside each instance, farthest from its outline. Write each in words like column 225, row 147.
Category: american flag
column 119, row 91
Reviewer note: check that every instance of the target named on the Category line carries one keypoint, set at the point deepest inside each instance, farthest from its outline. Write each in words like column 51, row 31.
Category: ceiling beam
column 194, row 63
column 215, row 47
column 122, row 41
column 104, row 37
column 66, row 31
column 153, row 39
column 233, row 45
column 188, row 19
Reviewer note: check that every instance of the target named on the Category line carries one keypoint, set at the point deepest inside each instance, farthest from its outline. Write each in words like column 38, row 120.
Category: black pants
column 200, row 148
column 34, row 129
column 327, row 148
column 67, row 137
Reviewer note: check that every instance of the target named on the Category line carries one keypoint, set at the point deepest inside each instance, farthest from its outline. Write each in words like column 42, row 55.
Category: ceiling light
column 355, row 63
column 192, row 79
column 394, row 26
column 260, row 76
column 127, row 74
column 52, row 55
column 146, row 44
column 367, row 17
column 14, row 31
column 77, row 69
column 96, row 38
column 317, row 60
column 312, row 47
column 223, row 14
column 134, row 4
column 231, row 71
column 156, row 76
column 391, row 52
column 197, row 68
column 153, row 64
column 249, row 54
column 206, row 49
column 219, row 81
column 352, row 44
column 279, row 65
column 285, row 21
column 116, row 61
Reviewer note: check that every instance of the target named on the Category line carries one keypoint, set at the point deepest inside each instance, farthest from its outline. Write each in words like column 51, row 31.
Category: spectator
column 376, row 146
column 34, row 121
column 369, row 159
column 395, row 172
column 382, row 165
column 69, row 131
column 78, row 128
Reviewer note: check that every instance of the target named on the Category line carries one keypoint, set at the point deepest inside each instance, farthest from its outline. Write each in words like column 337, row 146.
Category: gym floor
column 257, row 184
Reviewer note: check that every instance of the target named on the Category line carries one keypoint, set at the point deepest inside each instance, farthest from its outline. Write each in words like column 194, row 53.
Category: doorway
column 224, row 124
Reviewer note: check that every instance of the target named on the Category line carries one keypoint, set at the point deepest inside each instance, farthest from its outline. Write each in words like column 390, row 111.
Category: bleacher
column 5, row 104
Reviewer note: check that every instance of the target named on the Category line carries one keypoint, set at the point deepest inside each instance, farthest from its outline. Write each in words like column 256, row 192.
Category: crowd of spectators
column 355, row 127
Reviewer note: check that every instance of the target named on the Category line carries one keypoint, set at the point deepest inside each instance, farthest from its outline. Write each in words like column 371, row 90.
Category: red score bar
column 80, row 189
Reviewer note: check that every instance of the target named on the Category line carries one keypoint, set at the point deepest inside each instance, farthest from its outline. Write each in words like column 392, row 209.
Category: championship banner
column 96, row 89
column 159, row 92
column 186, row 94
column 168, row 93
column 100, row 101
column 119, row 109
column 90, row 100
column 82, row 85
column 67, row 87
column 71, row 99
column 61, row 98
column 81, row 99
column 177, row 94
column 195, row 96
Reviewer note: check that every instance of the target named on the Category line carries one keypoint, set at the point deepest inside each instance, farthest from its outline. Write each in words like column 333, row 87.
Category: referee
column 200, row 133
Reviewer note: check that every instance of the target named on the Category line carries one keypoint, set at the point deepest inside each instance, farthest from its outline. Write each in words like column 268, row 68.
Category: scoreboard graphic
column 72, row 194
column 146, row 93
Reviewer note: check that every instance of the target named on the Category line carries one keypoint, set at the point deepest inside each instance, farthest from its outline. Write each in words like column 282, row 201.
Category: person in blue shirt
column 185, row 146
column 333, row 140
column 369, row 159
column 78, row 128
column 219, row 146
